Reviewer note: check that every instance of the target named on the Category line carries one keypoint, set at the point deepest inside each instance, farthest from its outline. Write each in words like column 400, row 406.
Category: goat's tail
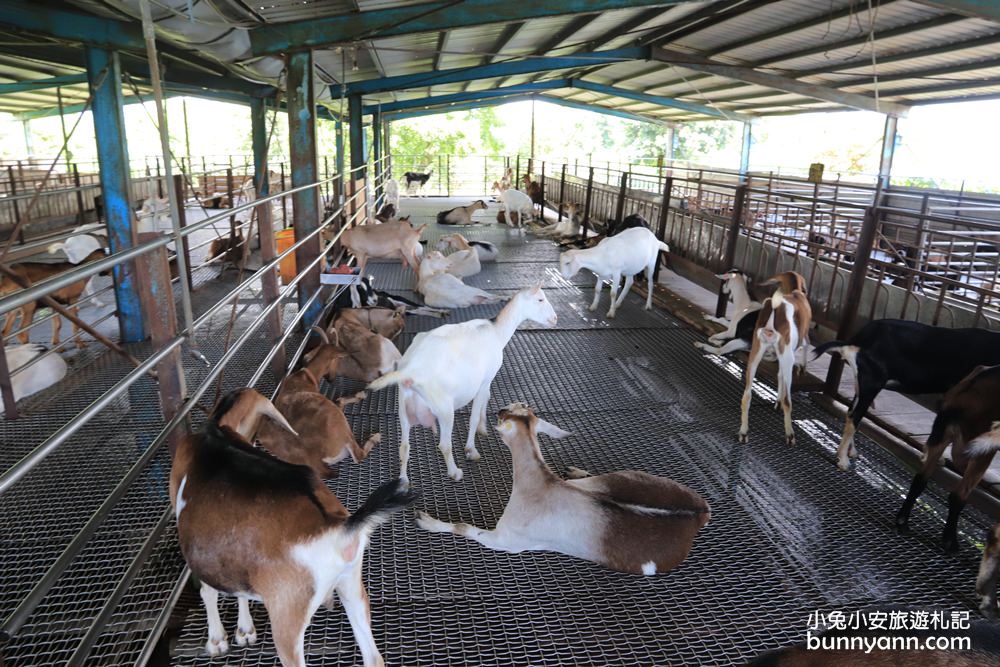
column 663, row 246
column 385, row 501
column 985, row 443
column 442, row 218
column 387, row 380
column 847, row 351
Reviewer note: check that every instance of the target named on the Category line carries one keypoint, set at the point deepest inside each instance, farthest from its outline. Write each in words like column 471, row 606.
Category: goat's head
column 447, row 241
column 242, row 409
column 323, row 359
column 433, row 262
column 733, row 275
column 535, row 306
column 517, row 423
column 787, row 282
column 479, row 204
column 569, row 264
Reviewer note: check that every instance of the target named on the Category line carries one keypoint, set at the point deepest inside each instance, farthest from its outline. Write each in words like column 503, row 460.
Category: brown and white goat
column 392, row 240
column 325, row 438
column 230, row 248
column 782, row 330
column 969, row 420
column 35, row 272
column 386, row 322
column 628, row 521
column 989, row 573
column 368, row 354
column 263, row 529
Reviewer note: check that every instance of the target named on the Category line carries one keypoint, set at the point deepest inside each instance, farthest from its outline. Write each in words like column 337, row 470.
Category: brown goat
column 325, row 437
column 989, row 573
column 368, row 354
column 35, row 272
column 229, row 248
column 260, row 528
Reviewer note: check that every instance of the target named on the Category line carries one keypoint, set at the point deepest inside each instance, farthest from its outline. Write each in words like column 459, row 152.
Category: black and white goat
column 364, row 295
column 908, row 357
column 416, row 180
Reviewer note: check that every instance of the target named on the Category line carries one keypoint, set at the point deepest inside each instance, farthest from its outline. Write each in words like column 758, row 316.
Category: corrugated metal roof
column 815, row 42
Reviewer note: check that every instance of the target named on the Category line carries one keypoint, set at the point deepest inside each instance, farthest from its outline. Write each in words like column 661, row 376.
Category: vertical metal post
column 855, row 289
column 265, row 226
column 232, row 204
column 542, row 183
column 182, row 223
column 447, row 168
column 562, row 191
column 62, row 125
column 159, row 181
column 104, row 74
column 585, row 230
column 889, row 141
column 356, row 130
column 338, row 186
column 377, row 151
column 745, row 150
column 661, row 227
column 305, row 204
column 729, row 256
column 284, row 198
column 517, row 173
column 622, row 190
column 12, row 189
column 81, row 212
column 486, row 178
column 6, row 388
column 29, row 148
column 187, row 134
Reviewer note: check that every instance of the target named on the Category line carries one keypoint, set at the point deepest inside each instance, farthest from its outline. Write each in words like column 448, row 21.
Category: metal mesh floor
column 789, row 533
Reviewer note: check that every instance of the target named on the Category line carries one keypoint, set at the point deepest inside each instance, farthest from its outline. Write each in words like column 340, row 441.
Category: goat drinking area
column 789, row 533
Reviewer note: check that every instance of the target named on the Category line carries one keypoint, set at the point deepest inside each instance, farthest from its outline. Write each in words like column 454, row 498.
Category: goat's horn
column 266, row 408
column 322, row 334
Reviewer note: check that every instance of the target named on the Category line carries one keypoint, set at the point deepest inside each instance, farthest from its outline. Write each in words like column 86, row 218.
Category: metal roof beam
column 69, row 25
column 711, row 14
column 426, row 17
column 659, row 101
column 31, row 85
column 979, row 9
column 624, row 28
column 456, row 98
column 508, row 68
column 750, row 75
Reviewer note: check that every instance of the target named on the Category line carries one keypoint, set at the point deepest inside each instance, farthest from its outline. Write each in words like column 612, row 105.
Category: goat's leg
column 216, row 644
column 624, row 292
column 989, row 574
column 974, row 471
column 27, row 317
column 359, row 453
column 475, row 419
column 246, row 633
column 446, row 422
column 869, row 386
column 354, row 597
column 649, row 285
column 756, row 354
column 491, row 539
column 597, row 294
column 786, row 368
column 936, row 444
column 484, row 420
column 8, row 324
column 615, row 282
column 404, row 439
column 290, row 611
column 78, row 340
column 56, row 327
column 734, row 345
column 718, row 320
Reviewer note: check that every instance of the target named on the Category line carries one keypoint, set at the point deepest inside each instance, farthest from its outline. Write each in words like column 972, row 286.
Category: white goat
column 443, row 290
column 461, row 263
column 626, row 254
column 391, row 192
column 444, row 369
column 629, row 521
column 515, row 200
column 41, row 375
column 739, row 329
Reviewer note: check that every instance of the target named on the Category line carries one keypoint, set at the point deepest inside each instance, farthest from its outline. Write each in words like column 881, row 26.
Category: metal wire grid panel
column 789, row 533
column 46, row 509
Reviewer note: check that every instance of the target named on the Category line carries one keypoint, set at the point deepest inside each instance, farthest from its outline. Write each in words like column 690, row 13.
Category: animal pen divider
column 87, row 540
column 866, row 253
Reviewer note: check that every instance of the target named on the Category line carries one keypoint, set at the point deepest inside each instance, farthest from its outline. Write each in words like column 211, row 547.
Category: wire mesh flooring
column 789, row 533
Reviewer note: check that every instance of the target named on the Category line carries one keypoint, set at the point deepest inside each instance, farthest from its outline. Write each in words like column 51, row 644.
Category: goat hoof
column 245, row 637
column 456, row 474
column 790, row 439
column 217, row 647
column 611, row 315
column 853, row 453
column 950, row 545
column 902, row 526
column 843, row 465
column 471, row 455
column 988, row 608
column 591, row 308
column 743, row 438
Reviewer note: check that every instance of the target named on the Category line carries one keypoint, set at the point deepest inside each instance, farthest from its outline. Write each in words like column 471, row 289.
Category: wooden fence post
column 562, row 192
column 661, row 228
column 729, row 256
column 182, row 221
column 585, row 230
column 620, row 210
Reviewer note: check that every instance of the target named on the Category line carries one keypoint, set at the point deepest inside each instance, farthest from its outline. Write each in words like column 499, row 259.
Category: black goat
column 908, row 357
column 417, row 177
column 634, row 220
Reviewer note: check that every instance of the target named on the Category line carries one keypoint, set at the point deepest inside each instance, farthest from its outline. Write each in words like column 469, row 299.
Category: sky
column 956, row 143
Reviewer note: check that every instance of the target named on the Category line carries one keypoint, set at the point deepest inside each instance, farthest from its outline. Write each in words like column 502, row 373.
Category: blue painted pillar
column 745, row 149
column 890, row 139
column 104, row 75
column 357, row 138
column 305, row 204
column 340, row 147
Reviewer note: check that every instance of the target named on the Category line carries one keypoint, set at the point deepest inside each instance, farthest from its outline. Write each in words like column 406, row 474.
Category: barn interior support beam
column 377, row 152
column 745, row 149
column 890, row 139
column 104, row 74
column 497, row 69
column 302, row 152
column 454, row 98
column 356, row 133
column 425, row 17
column 33, row 85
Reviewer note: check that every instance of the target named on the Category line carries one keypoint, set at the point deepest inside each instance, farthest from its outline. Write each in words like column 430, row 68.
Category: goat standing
column 629, row 521
column 444, row 369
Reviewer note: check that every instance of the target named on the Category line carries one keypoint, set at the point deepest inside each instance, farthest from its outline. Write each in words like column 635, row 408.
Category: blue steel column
column 889, row 141
column 305, row 204
column 104, row 75
column 357, row 138
column 377, row 151
column 258, row 139
column 340, row 146
column 745, row 149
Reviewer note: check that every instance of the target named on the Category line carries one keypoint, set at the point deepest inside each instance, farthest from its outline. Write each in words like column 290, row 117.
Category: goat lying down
column 444, row 290
column 487, row 251
column 367, row 342
column 364, row 295
column 41, row 375
column 446, row 368
column 739, row 330
column 263, row 529
column 628, row 521
column 461, row 215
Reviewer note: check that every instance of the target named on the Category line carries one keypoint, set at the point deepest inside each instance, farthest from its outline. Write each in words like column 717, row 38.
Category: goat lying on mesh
column 369, row 353
column 260, row 528
column 908, row 357
column 386, row 213
column 363, row 294
column 487, row 251
column 324, row 436
column 37, row 377
column 739, row 330
column 230, row 248
column 628, row 521
column 969, row 420
column 442, row 289
column 461, row 215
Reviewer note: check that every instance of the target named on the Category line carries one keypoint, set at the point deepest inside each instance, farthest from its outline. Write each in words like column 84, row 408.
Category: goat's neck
column 528, row 465
column 741, row 297
column 508, row 320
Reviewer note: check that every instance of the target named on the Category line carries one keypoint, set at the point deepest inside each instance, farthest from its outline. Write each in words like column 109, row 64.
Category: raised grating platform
column 789, row 533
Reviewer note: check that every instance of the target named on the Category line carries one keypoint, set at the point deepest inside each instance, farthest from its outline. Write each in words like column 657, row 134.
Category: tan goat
column 387, row 240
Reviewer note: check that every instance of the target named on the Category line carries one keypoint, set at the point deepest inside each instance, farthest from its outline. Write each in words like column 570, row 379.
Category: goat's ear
column 551, row 430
